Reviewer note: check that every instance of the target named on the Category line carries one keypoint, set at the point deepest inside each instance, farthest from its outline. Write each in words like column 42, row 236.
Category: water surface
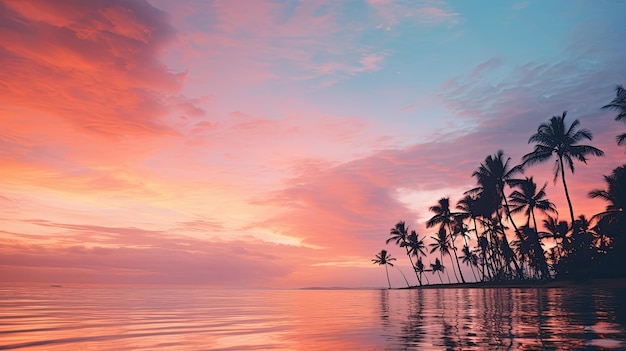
column 201, row 319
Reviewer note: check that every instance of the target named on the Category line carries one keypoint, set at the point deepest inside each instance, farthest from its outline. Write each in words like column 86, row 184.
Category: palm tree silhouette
column 383, row 258
column 442, row 244
column 438, row 267
column 399, row 234
column 417, row 248
column 528, row 198
column 613, row 219
column 444, row 217
column 619, row 104
column 492, row 176
column 419, row 268
column 554, row 138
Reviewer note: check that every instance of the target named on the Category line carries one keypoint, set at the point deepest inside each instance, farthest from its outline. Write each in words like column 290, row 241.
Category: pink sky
column 274, row 144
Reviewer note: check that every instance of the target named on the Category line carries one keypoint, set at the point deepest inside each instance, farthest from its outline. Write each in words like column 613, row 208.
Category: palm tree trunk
column 540, row 255
column 505, row 242
column 569, row 201
column 455, row 256
column 447, row 272
column 403, row 276
column 419, row 280
column 387, row 271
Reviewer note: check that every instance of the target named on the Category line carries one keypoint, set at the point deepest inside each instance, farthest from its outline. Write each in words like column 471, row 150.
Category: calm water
column 199, row 319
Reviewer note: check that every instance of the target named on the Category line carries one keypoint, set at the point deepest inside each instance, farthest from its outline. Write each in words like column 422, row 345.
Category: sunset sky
column 274, row 143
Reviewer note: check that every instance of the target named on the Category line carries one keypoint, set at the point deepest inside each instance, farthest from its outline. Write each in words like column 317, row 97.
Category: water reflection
column 506, row 319
column 198, row 319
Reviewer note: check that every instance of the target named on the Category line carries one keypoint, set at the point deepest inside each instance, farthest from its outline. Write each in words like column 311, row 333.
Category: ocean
column 101, row 318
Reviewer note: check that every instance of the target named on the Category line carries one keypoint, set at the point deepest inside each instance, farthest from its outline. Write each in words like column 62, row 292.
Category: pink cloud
column 78, row 57
column 392, row 12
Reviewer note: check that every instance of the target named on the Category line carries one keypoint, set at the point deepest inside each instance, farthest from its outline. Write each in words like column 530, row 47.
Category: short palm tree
column 442, row 244
column 619, row 104
column 555, row 138
column 383, row 258
column 437, row 267
column 419, row 268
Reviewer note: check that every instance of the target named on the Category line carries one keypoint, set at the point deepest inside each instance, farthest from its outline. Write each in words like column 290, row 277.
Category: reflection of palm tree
column 438, row 267
column 383, row 258
column 555, row 138
column 445, row 218
column 619, row 104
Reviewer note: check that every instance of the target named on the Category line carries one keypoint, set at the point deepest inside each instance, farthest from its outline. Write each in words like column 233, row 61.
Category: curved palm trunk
column 419, row 279
column 505, row 242
column 477, row 241
column 427, row 281
column 539, row 254
column 441, row 280
column 569, row 201
column 455, row 256
column 403, row 276
column 452, row 263
column 388, row 281
column 519, row 269
column 447, row 273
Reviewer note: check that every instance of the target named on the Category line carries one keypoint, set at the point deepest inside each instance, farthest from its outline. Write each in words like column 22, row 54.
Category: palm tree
column 558, row 231
column 619, row 104
column 613, row 219
column 438, row 267
column 419, row 268
column 399, row 234
column 470, row 259
column 444, row 217
column 555, row 138
column 442, row 244
column 528, row 198
column 492, row 176
column 417, row 248
column 383, row 258
column 615, row 195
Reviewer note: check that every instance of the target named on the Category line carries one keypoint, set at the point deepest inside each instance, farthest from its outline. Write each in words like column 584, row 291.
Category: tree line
column 580, row 248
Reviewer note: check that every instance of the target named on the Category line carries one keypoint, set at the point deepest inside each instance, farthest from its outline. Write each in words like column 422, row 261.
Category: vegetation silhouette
column 619, row 104
column 579, row 249
column 384, row 259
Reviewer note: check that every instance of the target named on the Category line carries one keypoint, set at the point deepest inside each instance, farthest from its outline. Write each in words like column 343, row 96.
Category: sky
column 273, row 144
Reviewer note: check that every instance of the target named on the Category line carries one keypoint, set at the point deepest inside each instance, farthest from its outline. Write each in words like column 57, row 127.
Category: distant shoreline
column 601, row 283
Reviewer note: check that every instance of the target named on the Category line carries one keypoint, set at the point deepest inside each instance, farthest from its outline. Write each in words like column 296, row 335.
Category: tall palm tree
column 445, row 218
column 619, row 104
column 492, row 176
column 555, row 138
column 442, row 244
column 399, row 234
column 383, row 259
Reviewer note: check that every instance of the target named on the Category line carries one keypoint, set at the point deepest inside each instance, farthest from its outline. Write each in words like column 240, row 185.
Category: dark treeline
column 576, row 248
